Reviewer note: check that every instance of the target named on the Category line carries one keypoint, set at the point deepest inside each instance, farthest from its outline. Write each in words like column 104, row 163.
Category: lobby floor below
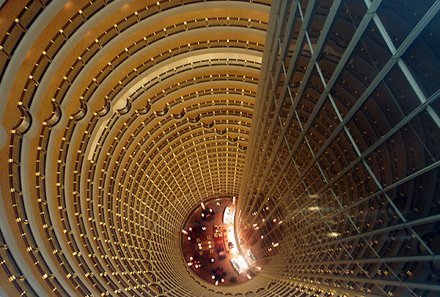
column 207, row 247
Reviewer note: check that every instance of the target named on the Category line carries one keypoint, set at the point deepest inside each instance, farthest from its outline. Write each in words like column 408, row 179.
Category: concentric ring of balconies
column 102, row 221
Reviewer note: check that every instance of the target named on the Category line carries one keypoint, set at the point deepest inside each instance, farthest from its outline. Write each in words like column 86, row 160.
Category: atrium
column 295, row 142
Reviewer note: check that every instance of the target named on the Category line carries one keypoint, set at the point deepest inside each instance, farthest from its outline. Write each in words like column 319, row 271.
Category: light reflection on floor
column 208, row 244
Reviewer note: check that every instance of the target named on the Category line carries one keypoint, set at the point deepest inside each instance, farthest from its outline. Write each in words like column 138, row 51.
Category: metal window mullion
column 419, row 93
column 382, row 282
column 342, row 62
column 342, row 246
column 378, row 183
column 376, row 260
column 279, row 175
column 385, row 137
column 314, row 55
column 425, row 220
column 269, row 57
column 350, row 48
column 369, row 170
column 379, row 78
column 299, row 43
column 255, row 155
column 279, row 104
column 293, row 62
column 263, row 124
column 331, row 190
column 274, row 54
column 429, row 15
column 330, row 288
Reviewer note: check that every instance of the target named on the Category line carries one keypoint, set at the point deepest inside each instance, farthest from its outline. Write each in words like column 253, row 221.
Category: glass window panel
column 423, row 58
column 400, row 17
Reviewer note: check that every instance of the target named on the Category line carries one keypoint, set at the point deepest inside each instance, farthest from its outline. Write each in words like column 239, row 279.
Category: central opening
column 210, row 247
